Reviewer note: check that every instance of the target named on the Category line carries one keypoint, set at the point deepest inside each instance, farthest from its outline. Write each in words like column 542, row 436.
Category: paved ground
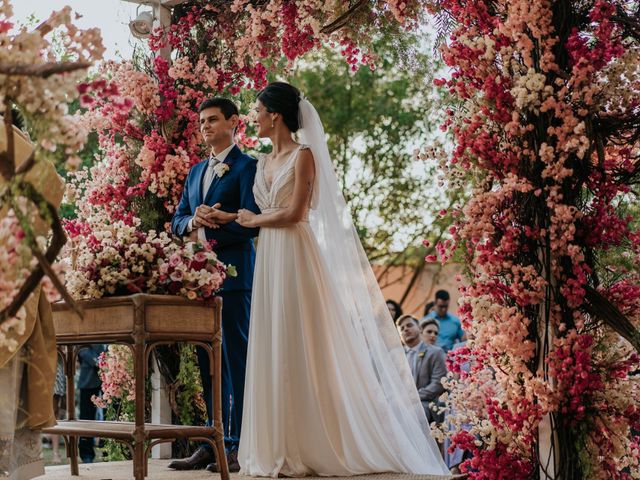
column 123, row 470
column 158, row 471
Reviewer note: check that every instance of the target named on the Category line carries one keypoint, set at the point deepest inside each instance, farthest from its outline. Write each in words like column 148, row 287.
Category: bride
column 328, row 388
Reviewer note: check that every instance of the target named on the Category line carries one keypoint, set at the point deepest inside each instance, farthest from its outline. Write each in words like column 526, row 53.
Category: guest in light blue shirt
column 450, row 327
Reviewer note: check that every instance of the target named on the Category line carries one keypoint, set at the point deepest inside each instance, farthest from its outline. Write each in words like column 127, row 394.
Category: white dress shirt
column 412, row 357
column 206, row 183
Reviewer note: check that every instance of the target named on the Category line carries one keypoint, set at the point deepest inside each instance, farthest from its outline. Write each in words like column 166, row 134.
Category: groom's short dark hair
column 226, row 106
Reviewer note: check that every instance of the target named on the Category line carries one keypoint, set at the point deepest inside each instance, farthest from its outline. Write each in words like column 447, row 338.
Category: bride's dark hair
column 282, row 98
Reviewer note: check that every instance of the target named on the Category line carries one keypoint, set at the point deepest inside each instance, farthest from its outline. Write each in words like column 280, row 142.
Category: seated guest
column 394, row 309
column 450, row 327
column 429, row 329
column 427, row 363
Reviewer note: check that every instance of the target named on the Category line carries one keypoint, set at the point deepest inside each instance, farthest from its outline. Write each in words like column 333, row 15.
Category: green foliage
column 616, row 263
column 189, row 397
column 374, row 121
column 121, row 410
column 89, row 154
column 114, row 451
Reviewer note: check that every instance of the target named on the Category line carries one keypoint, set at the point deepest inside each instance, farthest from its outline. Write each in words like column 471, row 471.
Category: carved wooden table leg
column 71, row 441
column 139, row 352
column 215, row 356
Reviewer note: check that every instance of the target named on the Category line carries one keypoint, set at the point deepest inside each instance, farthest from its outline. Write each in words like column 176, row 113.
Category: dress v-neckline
column 277, row 171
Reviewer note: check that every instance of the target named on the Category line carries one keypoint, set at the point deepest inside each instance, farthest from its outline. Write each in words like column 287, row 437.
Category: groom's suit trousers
column 234, row 246
column 236, row 308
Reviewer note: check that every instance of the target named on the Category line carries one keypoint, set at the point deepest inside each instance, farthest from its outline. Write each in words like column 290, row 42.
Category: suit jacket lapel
column 231, row 156
column 212, row 187
column 199, row 178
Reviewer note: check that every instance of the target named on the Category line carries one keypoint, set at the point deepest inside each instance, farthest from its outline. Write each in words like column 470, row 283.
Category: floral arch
column 545, row 122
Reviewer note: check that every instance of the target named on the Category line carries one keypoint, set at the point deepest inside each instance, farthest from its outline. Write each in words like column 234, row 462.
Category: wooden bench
column 142, row 322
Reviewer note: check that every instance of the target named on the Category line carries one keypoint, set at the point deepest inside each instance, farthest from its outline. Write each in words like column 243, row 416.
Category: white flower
column 220, row 169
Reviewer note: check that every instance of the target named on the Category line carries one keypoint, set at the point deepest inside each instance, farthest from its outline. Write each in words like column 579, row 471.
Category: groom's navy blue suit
column 234, row 245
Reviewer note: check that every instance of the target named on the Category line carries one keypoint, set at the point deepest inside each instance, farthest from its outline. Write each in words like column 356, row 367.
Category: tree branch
column 48, row 270
column 45, row 70
column 343, row 19
column 27, row 164
column 600, row 307
column 57, row 242
column 8, row 161
column 44, row 28
column 630, row 26
column 397, row 257
column 414, row 278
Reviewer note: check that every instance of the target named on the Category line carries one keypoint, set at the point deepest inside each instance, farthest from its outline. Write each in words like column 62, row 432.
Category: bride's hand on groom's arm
column 247, row 218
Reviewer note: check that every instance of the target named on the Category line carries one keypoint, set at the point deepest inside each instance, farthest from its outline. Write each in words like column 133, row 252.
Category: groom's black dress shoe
column 199, row 460
column 232, row 463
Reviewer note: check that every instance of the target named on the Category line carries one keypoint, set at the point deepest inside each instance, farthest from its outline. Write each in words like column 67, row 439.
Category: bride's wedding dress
column 320, row 399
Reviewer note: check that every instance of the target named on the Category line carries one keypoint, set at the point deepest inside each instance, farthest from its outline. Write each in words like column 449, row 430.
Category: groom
column 215, row 188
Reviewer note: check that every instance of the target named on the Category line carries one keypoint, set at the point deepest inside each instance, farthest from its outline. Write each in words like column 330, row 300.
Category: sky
column 111, row 16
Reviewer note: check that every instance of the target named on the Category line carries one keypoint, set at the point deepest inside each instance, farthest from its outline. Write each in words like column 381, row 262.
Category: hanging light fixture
column 142, row 26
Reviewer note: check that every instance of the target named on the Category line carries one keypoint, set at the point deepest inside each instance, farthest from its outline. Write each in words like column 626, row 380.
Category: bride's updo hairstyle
column 282, row 98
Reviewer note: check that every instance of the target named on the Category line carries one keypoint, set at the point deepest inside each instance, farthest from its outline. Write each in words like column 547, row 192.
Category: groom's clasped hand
column 212, row 217
column 209, row 216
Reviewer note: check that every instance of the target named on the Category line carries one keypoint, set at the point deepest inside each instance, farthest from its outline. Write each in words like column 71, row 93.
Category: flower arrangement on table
column 119, row 259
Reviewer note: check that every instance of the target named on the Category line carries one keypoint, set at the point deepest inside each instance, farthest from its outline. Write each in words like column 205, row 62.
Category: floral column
column 547, row 126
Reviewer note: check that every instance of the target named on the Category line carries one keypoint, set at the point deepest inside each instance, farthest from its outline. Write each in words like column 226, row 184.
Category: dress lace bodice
column 278, row 194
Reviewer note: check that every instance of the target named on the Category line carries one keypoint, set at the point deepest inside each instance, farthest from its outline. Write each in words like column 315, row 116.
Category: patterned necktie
column 208, row 176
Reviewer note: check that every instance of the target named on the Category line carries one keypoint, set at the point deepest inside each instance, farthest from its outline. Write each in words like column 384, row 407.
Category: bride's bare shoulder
column 305, row 153
column 305, row 161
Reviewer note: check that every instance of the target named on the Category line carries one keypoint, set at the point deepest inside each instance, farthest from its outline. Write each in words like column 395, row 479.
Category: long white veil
column 368, row 316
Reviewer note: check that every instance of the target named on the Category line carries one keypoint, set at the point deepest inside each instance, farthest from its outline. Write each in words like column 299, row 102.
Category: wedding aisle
column 158, row 471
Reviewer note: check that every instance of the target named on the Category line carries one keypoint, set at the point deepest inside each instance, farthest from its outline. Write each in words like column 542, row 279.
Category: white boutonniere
column 220, row 169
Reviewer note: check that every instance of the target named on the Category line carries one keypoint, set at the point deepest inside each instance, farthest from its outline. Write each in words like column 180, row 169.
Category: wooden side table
column 142, row 322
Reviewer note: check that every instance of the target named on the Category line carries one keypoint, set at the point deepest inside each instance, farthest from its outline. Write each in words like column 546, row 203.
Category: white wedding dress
column 315, row 401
